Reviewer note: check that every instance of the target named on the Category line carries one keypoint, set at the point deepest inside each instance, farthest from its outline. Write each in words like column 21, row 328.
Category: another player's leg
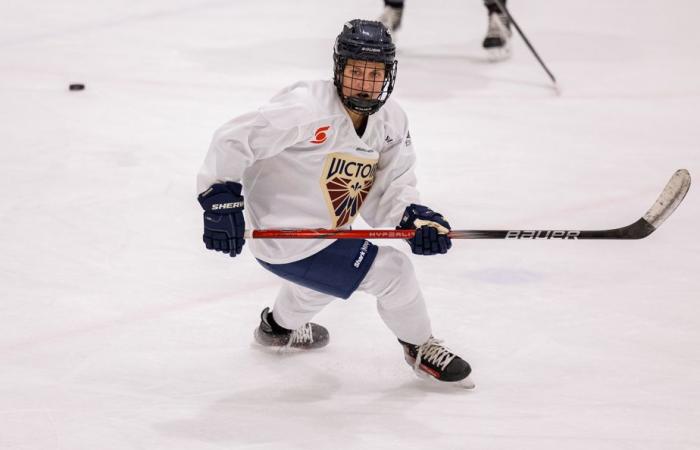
column 498, row 35
column 401, row 305
column 289, row 325
column 392, row 14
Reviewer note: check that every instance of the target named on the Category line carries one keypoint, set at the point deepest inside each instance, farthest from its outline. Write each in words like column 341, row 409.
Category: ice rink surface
column 118, row 330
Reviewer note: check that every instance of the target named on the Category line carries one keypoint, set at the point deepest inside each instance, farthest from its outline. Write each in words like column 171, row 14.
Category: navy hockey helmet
column 364, row 40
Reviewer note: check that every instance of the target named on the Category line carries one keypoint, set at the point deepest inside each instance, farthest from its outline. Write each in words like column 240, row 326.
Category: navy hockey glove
column 431, row 230
column 224, row 225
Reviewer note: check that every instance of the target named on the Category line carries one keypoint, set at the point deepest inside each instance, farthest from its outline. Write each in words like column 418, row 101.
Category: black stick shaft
column 638, row 230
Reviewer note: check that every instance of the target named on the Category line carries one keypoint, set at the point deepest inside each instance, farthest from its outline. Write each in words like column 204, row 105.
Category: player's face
column 363, row 79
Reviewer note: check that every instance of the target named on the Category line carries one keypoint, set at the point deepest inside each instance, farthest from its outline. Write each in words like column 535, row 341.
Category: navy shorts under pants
column 336, row 270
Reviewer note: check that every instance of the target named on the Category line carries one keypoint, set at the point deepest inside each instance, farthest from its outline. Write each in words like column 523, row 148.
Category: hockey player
column 497, row 40
column 317, row 155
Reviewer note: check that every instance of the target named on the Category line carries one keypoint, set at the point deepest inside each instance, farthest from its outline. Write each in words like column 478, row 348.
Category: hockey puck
column 76, row 87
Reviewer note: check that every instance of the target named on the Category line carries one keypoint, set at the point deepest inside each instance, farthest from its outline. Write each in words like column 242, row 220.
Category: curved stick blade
column 670, row 198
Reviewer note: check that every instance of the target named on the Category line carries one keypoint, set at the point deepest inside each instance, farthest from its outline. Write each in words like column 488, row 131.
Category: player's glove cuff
column 417, row 216
column 222, row 198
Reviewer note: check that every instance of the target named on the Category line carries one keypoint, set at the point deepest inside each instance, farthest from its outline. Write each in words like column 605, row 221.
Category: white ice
column 118, row 330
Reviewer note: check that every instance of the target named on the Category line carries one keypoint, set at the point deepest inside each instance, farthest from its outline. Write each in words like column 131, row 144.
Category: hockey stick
column 505, row 11
column 668, row 201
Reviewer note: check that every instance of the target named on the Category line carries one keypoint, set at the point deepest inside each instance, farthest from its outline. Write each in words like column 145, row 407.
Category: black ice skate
column 269, row 334
column 497, row 40
column 391, row 17
column 433, row 360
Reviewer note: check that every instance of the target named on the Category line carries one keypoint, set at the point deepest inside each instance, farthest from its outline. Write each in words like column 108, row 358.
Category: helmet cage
column 359, row 104
column 364, row 40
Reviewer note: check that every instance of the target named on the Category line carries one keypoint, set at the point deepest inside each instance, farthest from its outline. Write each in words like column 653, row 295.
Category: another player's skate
column 391, row 17
column 432, row 360
column 308, row 336
column 497, row 40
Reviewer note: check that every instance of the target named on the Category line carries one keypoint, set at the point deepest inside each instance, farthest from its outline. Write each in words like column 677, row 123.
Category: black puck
column 76, row 87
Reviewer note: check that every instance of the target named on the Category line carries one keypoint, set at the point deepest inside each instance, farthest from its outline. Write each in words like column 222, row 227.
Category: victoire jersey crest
column 346, row 180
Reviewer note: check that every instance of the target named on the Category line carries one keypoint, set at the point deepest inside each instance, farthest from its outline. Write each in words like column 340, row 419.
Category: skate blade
column 497, row 54
column 276, row 350
column 465, row 383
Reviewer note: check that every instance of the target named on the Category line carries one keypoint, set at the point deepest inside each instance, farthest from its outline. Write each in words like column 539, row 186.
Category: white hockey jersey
column 302, row 165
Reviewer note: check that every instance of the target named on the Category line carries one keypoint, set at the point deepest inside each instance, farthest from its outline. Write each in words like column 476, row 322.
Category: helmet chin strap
column 362, row 106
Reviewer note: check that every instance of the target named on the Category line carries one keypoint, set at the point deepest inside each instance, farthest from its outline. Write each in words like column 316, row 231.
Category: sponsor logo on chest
column 320, row 135
column 345, row 181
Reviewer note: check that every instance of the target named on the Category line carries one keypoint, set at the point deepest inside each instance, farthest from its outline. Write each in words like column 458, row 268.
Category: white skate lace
column 303, row 335
column 434, row 352
column 391, row 17
column 497, row 26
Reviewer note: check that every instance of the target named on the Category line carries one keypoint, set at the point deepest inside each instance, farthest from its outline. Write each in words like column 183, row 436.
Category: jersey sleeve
column 238, row 144
column 394, row 185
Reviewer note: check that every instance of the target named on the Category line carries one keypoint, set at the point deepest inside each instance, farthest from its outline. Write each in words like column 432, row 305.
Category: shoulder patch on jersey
column 408, row 139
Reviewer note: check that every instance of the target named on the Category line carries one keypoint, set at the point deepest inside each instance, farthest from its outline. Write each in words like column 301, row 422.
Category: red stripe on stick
column 333, row 234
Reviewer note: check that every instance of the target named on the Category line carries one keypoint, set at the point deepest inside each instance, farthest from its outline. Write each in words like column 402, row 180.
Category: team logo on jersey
column 345, row 182
column 320, row 135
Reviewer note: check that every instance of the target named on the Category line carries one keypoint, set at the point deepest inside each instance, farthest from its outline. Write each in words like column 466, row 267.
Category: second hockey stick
column 668, row 201
column 505, row 11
